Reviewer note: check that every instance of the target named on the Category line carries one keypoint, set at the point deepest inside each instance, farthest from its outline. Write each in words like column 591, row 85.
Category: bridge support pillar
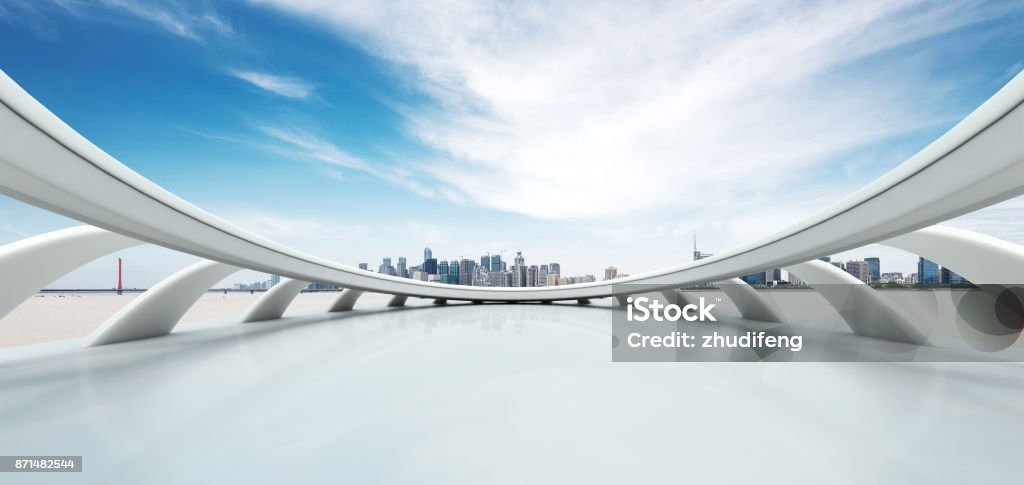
column 272, row 304
column 751, row 304
column 345, row 301
column 398, row 300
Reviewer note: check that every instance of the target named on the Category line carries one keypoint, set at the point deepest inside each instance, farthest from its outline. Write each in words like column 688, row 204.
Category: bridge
column 46, row 163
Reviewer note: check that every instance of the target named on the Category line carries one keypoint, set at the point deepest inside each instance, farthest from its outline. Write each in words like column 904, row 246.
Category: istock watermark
column 647, row 308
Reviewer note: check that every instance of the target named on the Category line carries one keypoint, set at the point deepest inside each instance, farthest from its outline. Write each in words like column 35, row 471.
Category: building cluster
column 491, row 270
column 258, row 285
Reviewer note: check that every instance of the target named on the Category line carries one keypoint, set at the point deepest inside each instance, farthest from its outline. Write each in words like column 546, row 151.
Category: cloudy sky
column 589, row 133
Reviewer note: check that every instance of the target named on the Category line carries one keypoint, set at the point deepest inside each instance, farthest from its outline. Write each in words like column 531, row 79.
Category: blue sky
column 576, row 132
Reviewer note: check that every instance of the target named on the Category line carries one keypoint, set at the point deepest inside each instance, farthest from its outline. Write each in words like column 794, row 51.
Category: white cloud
column 592, row 108
column 288, row 87
column 179, row 18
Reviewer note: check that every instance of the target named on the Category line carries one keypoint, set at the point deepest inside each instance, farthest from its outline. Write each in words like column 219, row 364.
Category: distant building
column 551, row 279
column 485, row 262
column 442, row 271
column 274, row 280
column 610, row 273
column 827, row 259
column 496, row 265
column 859, row 270
column 755, row 278
column 587, row 278
column 430, row 266
column 927, row 272
column 365, row 266
column 402, row 271
column 554, row 268
column 874, row 269
column 466, row 269
column 531, row 275
column 520, row 260
column 383, row 268
column 519, row 275
column 772, row 275
column 453, row 272
column 950, row 278
column 427, row 254
column 542, row 275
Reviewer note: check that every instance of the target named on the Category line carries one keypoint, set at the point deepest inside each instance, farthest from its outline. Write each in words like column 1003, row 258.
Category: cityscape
column 493, row 271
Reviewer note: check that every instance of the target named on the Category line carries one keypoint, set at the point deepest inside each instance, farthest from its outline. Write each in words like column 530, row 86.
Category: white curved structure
column 979, row 258
column 158, row 310
column 29, row 265
column 866, row 311
column 272, row 304
column 751, row 304
column 81, row 181
column 345, row 301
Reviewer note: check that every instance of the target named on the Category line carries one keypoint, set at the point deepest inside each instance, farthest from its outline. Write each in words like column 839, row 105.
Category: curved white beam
column 158, row 310
column 345, row 301
column 979, row 258
column 866, row 311
column 81, row 181
column 751, row 304
column 272, row 304
column 29, row 265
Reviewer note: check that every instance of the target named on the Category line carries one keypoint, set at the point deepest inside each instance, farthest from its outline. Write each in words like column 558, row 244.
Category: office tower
column 542, row 275
column 365, row 266
column 827, row 259
column 430, row 266
column 531, row 275
column 874, row 269
column 837, row 264
column 507, row 279
column 551, row 280
column 952, row 278
column 858, row 269
column 453, row 272
column 772, row 275
column 274, row 279
column 927, row 272
column 610, row 273
column 496, row 264
column 555, row 268
column 519, row 276
column 519, row 258
column 442, row 271
column 402, row 270
column 466, row 269
column 794, row 279
column 485, row 262
column 427, row 254
column 755, row 278
column 383, row 268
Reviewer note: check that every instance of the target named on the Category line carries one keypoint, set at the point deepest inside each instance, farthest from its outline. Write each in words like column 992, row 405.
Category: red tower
column 119, row 276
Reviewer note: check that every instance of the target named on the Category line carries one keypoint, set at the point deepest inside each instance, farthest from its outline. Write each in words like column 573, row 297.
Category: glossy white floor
column 490, row 394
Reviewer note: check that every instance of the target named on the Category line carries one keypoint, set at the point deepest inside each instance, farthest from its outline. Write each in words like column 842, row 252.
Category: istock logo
column 646, row 309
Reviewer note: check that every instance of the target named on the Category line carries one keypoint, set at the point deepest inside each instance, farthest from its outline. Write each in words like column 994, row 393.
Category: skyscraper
column 874, row 269
column 402, row 270
column 427, row 254
column 519, row 258
column 453, row 272
column 442, row 271
column 555, row 268
column 274, row 279
column 610, row 273
column 859, row 270
column 466, row 269
column 485, row 262
column 542, row 275
column 949, row 277
column 531, row 275
column 772, row 275
column 496, row 265
column 754, row 278
column 927, row 272
column 383, row 269
column 430, row 266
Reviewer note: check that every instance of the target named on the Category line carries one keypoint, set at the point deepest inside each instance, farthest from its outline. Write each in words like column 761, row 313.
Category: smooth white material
column 866, row 311
column 977, row 257
column 29, row 265
column 398, row 300
column 157, row 311
column 345, row 301
column 272, row 304
column 977, row 163
column 751, row 304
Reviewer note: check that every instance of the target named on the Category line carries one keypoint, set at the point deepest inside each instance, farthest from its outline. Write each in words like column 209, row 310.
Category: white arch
column 29, row 265
column 345, row 301
column 979, row 258
column 866, row 311
column 751, row 304
column 272, row 304
column 158, row 310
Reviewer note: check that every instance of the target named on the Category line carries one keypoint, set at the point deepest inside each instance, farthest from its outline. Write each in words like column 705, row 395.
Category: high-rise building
column 402, row 271
column 274, row 280
column 442, row 271
column 772, row 275
column 859, row 270
column 427, row 254
column 430, row 266
column 496, row 264
column 551, row 280
column 927, row 272
column 531, row 275
column 949, row 277
column 542, row 275
column 755, row 278
column 485, row 262
column 610, row 273
column 519, row 261
column 874, row 269
column 383, row 268
column 519, row 276
column 453, row 272
column 554, row 268
column 466, row 269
